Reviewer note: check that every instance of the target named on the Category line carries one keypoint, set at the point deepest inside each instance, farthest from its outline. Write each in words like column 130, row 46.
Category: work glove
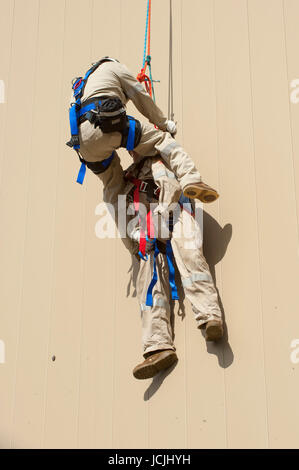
column 171, row 127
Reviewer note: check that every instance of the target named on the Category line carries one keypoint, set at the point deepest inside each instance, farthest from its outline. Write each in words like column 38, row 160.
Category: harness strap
column 74, row 142
column 81, row 174
column 142, row 239
column 96, row 167
column 147, row 186
column 150, row 225
column 86, row 108
column 149, row 295
column 142, row 246
column 169, row 257
column 131, row 134
column 171, row 270
column 185, row 204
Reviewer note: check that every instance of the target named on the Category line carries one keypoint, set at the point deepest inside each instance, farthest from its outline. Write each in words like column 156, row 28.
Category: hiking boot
column 214, row 330
column 154, row 362
column 200, row 191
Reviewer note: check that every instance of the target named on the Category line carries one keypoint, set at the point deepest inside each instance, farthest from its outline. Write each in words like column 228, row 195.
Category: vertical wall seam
column 290, row 118
column 257, row 225
column 115, row 286
column 5, row 142
column 6, row 100
column 185, row 328
column 84, row 251
column 218, row 202
column 21, row 288
column 51, row 306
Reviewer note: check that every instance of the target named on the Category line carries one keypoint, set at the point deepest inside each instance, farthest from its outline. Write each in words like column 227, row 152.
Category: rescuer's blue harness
column 115, row 120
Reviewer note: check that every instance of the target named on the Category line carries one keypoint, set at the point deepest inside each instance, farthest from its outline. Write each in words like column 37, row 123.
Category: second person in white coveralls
column 157, row 335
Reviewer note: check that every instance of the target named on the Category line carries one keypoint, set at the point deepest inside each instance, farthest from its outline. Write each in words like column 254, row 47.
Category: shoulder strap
column 80, row 82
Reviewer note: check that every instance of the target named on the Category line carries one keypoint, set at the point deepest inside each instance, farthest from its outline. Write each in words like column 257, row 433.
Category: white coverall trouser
column 196, row 278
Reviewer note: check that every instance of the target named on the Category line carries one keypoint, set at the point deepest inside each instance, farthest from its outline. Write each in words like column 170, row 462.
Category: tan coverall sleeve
column 141, row 99
column 170, row 189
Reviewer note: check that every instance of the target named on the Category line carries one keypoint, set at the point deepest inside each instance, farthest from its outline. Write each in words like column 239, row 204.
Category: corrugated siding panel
column 63, row 291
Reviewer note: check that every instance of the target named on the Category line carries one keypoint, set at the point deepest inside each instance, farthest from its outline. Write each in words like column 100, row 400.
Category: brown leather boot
column 200, row 191
column 214, row 330
column 154, row 362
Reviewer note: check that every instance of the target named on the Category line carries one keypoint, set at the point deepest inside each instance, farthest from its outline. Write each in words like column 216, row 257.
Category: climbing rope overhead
column 147, row 79
column 146, row 63
column 170, row 72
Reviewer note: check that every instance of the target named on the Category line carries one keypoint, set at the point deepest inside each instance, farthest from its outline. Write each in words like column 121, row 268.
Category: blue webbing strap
column 149, row 295
column 169, row 256
column 81, row 174
column 74, row 123
column 106, row 163
column 185, row 203
column 74, row 113
column 145, row 258
column 77, row 91
column 173, row 287
column 86, row 108
column 131, row 134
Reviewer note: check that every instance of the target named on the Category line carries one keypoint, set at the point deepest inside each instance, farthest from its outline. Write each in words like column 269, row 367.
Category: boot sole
column 151, row 370
column 214, row 333
column 204, row 195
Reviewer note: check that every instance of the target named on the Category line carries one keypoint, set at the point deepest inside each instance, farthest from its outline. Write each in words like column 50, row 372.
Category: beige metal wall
column 63, row 291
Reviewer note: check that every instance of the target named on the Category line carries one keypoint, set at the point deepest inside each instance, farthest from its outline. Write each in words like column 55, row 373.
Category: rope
column 142, row 77
column 170, row 80
column 145, row 37
column 149, row 11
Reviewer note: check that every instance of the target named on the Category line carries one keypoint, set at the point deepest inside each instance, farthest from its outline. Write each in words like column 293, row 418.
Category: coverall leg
column 195, row 274
column 156, row 322
column 154, row 141
column 97, row 146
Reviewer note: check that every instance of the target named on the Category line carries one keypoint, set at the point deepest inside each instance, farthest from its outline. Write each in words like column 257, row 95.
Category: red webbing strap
column 142, row 240
column 149, row 218
column 150, row 225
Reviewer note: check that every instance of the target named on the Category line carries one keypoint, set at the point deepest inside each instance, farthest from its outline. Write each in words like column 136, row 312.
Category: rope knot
column 141, row 77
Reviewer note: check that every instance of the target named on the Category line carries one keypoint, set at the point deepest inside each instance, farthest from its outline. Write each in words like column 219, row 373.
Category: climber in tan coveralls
column 198, row 285
column 112, row 79
column 106, row 92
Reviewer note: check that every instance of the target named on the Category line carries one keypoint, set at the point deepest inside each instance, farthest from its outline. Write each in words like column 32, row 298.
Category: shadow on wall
column 215, row 243
column 216, row 240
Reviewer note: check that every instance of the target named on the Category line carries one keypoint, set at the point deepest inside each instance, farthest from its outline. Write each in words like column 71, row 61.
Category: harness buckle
column 77, row 83
column 143, row 186
column 92, row 117
column 74, row 142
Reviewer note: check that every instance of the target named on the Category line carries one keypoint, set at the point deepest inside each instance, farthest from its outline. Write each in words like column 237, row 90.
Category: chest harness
column 106, row 112
column 149, row 187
